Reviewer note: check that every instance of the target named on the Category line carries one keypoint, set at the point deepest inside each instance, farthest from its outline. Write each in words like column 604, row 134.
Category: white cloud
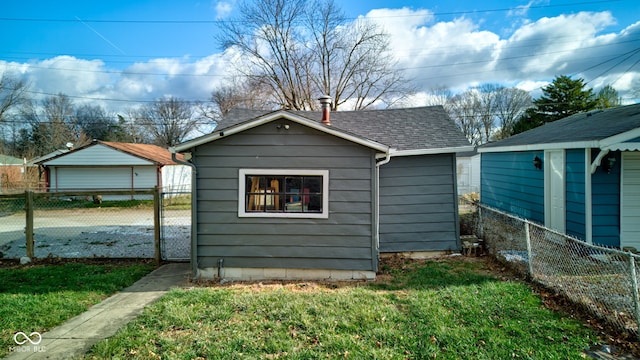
column 223, row 9
column 459, row 53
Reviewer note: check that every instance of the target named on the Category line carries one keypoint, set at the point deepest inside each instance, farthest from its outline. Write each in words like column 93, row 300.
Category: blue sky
column 138, row 51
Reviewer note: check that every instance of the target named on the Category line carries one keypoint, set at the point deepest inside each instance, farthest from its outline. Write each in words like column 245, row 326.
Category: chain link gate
column 175, row 224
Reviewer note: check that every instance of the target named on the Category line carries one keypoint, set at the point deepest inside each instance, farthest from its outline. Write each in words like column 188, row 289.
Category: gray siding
column 343, row 241
column 418, row 204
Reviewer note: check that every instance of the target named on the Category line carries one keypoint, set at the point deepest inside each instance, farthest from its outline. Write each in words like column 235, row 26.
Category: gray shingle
column 588, row 126
column 404, row 129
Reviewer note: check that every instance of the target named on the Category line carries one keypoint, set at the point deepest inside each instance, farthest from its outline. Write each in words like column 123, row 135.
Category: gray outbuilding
column 319, row 195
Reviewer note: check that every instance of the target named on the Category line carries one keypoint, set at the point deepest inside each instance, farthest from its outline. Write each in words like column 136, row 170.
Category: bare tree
column 465, row 110
column 487, row 100
column 52, row 124
column 237, row 94
column 169, row 121
column 13, row 93
column 439, row 95
column 608, row 97
column 510, row 105
column 302, row 49
column 94, row 121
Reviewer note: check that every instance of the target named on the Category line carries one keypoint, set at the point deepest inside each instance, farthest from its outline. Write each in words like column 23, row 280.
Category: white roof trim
column 217, row 134
column 446, row 150
column 619, row 138
column 547, row 146
column 607, row 143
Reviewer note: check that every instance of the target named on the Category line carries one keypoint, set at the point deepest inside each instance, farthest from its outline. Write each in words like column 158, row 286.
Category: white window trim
column 293, row 172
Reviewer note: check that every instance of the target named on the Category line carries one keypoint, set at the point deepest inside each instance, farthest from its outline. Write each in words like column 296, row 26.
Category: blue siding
column 511, row 183
column 575, row 193
column 606, row 204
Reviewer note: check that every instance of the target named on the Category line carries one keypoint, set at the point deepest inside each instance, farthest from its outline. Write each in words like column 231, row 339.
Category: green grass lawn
column 40, row 297
column 416, row 310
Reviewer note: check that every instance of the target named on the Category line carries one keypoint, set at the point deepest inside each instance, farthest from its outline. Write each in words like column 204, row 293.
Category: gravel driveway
column 103, row 232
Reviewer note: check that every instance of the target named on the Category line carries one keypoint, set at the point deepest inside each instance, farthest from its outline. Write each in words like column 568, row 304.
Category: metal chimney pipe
column 325, row 101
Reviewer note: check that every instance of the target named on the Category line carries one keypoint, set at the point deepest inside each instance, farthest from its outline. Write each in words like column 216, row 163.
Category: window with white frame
column 283, row 193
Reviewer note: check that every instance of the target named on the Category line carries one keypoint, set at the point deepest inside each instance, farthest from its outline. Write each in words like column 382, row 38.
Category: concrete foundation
column 416, row 255
column 252, row 274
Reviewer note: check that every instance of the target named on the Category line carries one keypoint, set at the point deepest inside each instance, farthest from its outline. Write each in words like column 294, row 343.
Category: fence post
column 156, row 224
column 527, row 236
column 480, row 224
column 28, row 206
column 636, row 299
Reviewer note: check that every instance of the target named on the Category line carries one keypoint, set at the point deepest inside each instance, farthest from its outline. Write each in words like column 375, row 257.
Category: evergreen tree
column 563, row 97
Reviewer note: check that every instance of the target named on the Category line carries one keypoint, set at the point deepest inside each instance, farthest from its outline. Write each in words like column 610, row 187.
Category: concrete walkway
column 76, row 336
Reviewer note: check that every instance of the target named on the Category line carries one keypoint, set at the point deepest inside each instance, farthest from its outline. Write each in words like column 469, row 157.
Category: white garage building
column 118, row 166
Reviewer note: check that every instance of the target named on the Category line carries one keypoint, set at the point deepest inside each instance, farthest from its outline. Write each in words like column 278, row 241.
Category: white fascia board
column 434, row 151
column 619, row 138
column 275, row 116
column 539, row 147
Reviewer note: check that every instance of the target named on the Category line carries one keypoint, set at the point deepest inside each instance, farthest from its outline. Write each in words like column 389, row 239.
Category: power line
column 125, row 72
column 449, row 13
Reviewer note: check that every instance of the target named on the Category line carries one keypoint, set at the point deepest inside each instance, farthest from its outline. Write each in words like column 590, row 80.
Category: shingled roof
column 578, row 129
column 153, row 153
column 403, row 129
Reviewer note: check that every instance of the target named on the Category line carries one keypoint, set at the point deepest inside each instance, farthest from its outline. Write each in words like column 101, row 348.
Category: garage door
column 91, row 178
column 630, row 200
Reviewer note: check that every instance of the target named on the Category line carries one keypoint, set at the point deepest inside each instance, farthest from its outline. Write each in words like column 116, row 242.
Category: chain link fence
column 176, row 223
column 601, row 280
column 78, row 224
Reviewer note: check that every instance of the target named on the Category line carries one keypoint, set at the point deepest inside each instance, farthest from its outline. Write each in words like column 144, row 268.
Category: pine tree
column 563, row 97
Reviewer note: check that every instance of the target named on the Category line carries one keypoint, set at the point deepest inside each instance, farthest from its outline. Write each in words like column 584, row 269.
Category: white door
column 630, row 200
column 554, row 190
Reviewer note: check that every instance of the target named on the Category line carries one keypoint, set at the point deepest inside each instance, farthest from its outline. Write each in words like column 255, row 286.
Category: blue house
column 579, row 175
column 295, row 194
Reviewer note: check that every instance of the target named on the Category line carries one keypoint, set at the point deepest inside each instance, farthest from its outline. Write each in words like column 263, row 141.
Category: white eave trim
column 434, row 151
column 217, row 134
column 620, row 138
column 607, row 143
column 538, row 147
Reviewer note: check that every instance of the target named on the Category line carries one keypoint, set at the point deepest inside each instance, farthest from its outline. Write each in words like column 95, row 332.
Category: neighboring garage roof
column 595, row 129
column 149, row 152
column 404, row 130
column 10, row 160
column 157, row 154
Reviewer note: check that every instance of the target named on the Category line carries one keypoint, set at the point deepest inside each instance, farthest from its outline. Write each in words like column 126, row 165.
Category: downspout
column 376, row 208
column 194, row 213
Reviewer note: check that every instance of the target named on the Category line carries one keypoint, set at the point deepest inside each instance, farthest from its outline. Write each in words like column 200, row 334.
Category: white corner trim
column 588, row 201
